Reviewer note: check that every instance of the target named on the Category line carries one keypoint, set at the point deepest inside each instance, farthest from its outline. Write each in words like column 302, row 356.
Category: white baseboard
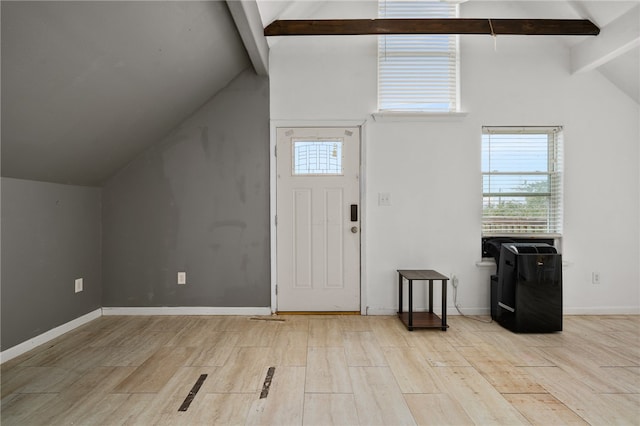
column 380, row 311
column 186, row 310
column 26, row 346
column 469, row 311
column 603, row 310
column 451, row 310
column 45, row 337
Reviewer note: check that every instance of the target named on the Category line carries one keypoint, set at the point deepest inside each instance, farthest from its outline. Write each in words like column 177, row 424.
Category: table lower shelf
column 422, row 320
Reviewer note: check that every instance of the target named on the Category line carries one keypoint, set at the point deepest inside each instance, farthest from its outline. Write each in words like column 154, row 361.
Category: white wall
column 431, row 168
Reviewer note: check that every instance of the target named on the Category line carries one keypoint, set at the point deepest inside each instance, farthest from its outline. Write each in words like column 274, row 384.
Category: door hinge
column 275, row 150
column 276, row 220
column 276, row 289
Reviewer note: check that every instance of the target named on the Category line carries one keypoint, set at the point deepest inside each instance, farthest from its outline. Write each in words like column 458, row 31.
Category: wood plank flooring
column 341, row 370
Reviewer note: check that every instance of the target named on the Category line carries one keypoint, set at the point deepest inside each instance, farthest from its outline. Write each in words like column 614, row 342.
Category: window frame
column 554, row 196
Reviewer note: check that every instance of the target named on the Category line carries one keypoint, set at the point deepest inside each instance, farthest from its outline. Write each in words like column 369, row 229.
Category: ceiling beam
column 617, row 38
column 246, row 16
column 431, row 26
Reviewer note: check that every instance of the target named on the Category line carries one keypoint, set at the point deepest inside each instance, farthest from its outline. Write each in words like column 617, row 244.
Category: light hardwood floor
column 343, row 370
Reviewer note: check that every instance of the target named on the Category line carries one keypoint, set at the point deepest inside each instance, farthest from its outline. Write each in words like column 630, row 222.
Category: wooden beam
column 431, row 26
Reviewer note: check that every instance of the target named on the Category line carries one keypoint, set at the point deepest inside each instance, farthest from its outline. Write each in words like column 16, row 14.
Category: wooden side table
column 422, row 319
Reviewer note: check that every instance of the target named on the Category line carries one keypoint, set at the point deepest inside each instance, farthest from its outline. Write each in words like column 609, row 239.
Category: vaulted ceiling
column 89, row 85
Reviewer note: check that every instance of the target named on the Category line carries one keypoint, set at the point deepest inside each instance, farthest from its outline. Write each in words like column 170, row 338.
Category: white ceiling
column 88, row 85
column 622, row 67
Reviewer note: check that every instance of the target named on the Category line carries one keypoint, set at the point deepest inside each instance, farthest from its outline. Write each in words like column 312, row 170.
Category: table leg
column 410, row 305
column 431, row 296
column 399, row 293
column 444, row 305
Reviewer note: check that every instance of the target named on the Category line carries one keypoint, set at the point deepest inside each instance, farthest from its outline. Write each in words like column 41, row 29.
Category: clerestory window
column 522, row 181
column 418, row 73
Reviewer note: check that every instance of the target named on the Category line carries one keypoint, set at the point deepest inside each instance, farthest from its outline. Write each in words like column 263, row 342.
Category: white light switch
column 384, row 199
column 182, row 278
column 79, row 285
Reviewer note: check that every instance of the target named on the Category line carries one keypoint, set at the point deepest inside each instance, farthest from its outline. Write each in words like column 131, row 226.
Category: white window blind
column 417, row 72
column 522, row 181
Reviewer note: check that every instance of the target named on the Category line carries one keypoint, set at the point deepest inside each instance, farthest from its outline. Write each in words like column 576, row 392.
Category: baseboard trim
column 380, row 311
column 186, row 310
column 47, row 336
column 451, row 311
column 623, row 310
column 318, row 313
column 43, row 338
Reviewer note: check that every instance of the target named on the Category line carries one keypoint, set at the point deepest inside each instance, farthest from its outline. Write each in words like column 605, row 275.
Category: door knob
column 354, row 229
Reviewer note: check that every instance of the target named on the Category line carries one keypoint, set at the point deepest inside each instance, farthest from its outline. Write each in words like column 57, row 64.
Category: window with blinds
column 417, row 72
column 522, row 181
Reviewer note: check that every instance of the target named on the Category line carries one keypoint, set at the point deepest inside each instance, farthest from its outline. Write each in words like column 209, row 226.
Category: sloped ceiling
column 86, row 86
column 617, row 61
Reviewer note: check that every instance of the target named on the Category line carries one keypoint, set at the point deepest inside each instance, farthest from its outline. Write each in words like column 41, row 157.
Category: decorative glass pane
column 317, row 157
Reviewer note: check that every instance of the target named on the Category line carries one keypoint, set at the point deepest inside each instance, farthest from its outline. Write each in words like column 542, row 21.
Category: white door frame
column 274, row 125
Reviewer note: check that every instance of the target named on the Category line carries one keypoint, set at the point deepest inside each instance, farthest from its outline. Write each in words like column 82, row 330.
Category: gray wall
column 197, row 202
column 50, row 237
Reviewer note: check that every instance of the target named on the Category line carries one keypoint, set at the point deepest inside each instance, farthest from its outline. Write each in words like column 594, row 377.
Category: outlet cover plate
column 182, row 278
column 79, row 285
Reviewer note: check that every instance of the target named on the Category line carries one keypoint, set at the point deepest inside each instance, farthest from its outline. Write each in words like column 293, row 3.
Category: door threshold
column 318, row 313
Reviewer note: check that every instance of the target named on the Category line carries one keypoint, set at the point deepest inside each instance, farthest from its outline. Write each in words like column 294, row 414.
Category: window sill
column 404, row 116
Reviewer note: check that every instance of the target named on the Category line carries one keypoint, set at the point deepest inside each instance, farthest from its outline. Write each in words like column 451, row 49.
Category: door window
column 314, row 157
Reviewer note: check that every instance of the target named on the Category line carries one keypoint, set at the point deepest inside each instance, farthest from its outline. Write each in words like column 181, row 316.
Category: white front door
column 318, row 219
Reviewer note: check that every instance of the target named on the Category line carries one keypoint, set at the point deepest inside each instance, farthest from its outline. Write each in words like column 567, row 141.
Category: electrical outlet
column 384, row 199
column 79, row 285
column 595, row 277
column 182, row 278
